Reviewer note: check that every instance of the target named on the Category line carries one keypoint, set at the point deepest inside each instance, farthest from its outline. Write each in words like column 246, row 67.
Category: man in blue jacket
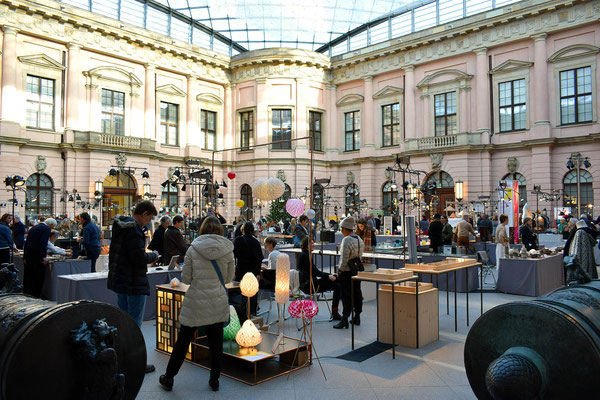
column 128, row 261
column 34, row 257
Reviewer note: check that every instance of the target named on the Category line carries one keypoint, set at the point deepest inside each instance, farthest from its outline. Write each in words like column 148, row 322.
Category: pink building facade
column 498, row 95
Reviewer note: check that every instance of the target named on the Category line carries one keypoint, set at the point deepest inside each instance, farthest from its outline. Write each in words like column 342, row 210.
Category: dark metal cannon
column 48, row 351
column 547, row 348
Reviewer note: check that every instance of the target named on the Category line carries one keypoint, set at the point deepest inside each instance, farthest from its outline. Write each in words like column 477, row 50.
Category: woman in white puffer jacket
column 205, row 302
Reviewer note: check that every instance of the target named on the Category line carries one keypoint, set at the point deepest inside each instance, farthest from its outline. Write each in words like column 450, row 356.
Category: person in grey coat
column 205, row 303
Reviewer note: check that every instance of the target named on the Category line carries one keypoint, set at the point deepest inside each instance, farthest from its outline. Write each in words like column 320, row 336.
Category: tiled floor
column 435, row 371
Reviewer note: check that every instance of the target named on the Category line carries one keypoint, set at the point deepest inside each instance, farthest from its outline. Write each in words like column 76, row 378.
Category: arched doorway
column 439, row 192
column 38, row 199
column 352, row 199
column 120, row 193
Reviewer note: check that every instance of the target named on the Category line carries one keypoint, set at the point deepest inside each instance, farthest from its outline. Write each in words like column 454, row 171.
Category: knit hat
column 348, row 223
column 581, row 224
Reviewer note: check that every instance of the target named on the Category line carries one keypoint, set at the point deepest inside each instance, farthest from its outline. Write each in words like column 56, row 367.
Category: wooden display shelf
column 406, row 320
column 444, row 265
column 385, row 273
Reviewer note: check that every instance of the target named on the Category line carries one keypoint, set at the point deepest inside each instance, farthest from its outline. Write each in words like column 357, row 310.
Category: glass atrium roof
column 329, row 26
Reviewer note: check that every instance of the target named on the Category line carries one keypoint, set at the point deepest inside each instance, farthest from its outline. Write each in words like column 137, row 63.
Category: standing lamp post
column 98, row 196
column 13, row 184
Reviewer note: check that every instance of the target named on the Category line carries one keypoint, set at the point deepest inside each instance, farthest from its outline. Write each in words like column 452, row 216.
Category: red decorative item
column 231, row 175
column 303, row 309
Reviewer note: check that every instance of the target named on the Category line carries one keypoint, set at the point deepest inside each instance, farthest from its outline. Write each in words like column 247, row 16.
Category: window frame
column 355, row 132
column 392, row 124
column 510, row 70
column 575, row 96
column 279, row 146
column 37, row 189
column 167, row 193
column 112, row 113
column 512, row 106
column 204, row 128
column 166, row 123
column 446, row 114
column 586, row 186
column 312, row 131
column 250, row 131
column 247, row 195
column 40, row 103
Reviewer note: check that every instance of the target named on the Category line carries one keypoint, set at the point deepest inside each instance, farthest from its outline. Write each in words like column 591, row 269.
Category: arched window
column 389, row 194
column 38, row 199
column 318, row 194
column 522, row 186
column 288, row 192
column 246, row 196
column 169, row 197
column 585, row 186
column 352, row 200
column 440, row 179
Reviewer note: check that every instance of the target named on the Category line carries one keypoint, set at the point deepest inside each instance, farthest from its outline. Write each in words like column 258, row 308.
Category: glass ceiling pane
column 425, row 17
column 450, row 10
column 132, row 12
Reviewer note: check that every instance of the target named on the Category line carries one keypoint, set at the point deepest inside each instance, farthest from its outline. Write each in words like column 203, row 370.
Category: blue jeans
column 133, row 305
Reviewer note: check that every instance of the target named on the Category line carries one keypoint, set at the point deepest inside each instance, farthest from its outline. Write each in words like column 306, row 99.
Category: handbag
column 355, row 264
column 218, row 271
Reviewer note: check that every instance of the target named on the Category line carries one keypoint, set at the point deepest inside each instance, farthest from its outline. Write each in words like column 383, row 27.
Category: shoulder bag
column 218, row 271
column 355, row 264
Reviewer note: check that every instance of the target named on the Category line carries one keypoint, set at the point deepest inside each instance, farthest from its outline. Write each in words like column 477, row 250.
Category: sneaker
column 150, row 368
column 166, row 383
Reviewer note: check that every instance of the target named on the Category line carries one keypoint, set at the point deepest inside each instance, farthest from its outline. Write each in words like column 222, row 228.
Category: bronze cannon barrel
column 546, row 348
column 40, row 359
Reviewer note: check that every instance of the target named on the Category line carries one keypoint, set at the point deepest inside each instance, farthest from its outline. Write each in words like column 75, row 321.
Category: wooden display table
column 392, row 282
column 445, row 267
column 266, row 363
column 406, row 319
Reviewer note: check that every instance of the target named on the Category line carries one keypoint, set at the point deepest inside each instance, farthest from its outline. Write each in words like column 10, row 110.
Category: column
column 368, row 133
column 74, row 99
column 262, row 133
column 482, row 94
column 332, row 137
column 409, row 102
column 190, row 110
column 463, row 109
column 150, row 103
column 540, row 75
column 228, row 122
column 10, row 107
column 427, row 116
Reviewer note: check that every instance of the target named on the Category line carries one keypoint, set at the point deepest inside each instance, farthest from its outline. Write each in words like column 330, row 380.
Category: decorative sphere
column 268, row 188
column 240, row 203
column 231, row 175
column 249, row 285
column 294, row 207
column 311, row 213
column 248, row 336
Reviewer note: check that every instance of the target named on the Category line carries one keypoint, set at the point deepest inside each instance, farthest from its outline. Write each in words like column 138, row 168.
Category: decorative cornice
column 41, row 60
column 209, row 98
column 443, row 77
column 10, row 30
column 352, row 98
column 115, row 74
column 74, row 46
column 540, row 37
column 574, row 51
column 511, row 65
column 481, row 51
column 388, row 91
column 172, row 90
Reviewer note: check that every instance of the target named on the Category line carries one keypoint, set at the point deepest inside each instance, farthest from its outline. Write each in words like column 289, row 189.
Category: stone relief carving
column 40, row 164
column 436, row 161
column 281, row 175
column 512, row 164
column 121, row 159
column 350, row 177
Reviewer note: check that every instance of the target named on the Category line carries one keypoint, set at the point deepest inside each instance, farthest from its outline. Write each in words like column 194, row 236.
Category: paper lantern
column 310, row 213
column 266, row 189
column 294, row 207
column 303, row 309
column 231, row 175
column 248, row 336
column 234, row 326
column 282, row 279
column 249, row 285
column 239, row 203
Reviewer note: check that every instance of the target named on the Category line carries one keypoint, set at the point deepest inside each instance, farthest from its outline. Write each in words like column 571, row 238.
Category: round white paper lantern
column 268, row 188
column 294, row 207
column 249, row 285
column 248, row 336
column 310, row 213
column 282, row 279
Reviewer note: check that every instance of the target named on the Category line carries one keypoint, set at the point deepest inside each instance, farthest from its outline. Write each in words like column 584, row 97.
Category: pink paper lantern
column 231, row 175
column 303, row 309
column 294, row 207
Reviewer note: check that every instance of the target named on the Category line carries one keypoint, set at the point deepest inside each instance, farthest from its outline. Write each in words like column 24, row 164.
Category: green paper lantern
column 234, row 326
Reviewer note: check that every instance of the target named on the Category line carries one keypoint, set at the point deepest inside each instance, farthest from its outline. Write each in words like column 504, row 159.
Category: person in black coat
column 18, row 231
column 34, row 257
column 528, row 238
column 322, row 282
column 157, row 242
column 249, row 256
column 435, row 233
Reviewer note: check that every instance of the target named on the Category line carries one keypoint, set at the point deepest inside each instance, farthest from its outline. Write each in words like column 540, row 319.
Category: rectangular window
column 315, row 129
column 576, row 96
column 282, row 128
column 246, row 129
column 352, row 131
column 169, row 123
column 513, row 97
column 113, row 112
column 445, row 114
column 390, row 124
column 208, row 125
column 40, row 102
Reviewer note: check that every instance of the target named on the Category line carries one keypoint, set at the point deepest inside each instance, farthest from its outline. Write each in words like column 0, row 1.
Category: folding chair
column 482, row 256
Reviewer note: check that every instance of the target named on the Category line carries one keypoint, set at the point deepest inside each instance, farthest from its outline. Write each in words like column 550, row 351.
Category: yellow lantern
column 282, row 279
column 248, row 336
column 249, row 285
column 239, row 203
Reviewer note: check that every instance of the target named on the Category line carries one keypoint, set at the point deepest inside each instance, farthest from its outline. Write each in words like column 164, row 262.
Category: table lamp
column 282, row 289
column 248, row 337
column 249, row 288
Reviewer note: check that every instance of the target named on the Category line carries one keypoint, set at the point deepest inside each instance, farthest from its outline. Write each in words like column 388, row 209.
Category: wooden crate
column 406, row 314
column 386, row 273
